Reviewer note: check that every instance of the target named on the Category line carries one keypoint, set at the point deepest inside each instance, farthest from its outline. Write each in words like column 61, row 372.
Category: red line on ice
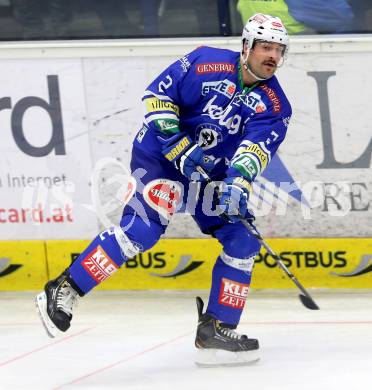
column 43, row 347
column 157, row 346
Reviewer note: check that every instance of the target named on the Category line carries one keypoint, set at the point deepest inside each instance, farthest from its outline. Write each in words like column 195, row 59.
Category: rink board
column 187, row 264
column 67, row 136
column 23, row 265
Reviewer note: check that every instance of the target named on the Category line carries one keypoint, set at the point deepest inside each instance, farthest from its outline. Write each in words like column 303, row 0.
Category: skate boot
column 219, row 345
column 55, row 304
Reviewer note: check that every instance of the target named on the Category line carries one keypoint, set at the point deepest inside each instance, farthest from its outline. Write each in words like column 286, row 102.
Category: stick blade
column 308, row 302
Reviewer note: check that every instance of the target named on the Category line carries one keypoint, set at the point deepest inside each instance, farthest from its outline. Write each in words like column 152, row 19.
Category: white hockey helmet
column 265, row 28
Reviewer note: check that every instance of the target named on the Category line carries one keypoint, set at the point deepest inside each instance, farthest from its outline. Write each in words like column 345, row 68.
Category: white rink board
column 100, row 90
column 47, row 99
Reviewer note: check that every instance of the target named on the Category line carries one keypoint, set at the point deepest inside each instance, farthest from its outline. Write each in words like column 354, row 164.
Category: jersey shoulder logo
column 185, row 63
column 271, row 94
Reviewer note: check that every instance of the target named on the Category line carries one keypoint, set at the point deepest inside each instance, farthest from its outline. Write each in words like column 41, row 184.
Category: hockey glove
column 186, row 155
column 233, row 199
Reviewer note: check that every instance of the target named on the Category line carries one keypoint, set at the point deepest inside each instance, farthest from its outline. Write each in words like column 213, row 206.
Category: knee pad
column 110, row 249
column 239, row 246
column 142, row 233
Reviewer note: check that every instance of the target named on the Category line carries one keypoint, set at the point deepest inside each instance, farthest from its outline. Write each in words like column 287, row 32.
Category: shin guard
column 104, row 256
column 232, row 273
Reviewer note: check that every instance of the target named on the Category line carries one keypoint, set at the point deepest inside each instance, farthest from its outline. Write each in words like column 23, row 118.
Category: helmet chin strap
column 246, row 67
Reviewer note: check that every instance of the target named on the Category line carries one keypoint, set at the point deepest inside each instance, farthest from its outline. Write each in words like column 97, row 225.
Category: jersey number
column 164, row 84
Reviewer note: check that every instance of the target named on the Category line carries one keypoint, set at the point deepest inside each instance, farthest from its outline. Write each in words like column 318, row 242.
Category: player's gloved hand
column 186, row 155
column 233, row 199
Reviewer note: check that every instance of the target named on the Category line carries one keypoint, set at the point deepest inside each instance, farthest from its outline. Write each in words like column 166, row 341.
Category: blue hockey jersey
column 203, row 95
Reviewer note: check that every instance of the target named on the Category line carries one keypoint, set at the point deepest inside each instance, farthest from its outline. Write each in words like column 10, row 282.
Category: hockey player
column 217, row 111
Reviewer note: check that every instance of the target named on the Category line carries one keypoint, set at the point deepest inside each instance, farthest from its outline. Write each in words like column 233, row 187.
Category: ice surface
column 144, row 340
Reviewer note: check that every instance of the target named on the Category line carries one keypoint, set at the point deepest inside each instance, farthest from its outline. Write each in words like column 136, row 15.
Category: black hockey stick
column 305, row 297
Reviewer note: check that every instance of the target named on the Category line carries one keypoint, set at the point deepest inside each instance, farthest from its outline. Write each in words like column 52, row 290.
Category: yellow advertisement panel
column 23, row 265
column 61, row 254
column 317, row 262
column 170, row 264
column 188, row 263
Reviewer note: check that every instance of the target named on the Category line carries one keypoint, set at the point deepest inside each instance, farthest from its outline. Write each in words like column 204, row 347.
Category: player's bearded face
column 264, row 58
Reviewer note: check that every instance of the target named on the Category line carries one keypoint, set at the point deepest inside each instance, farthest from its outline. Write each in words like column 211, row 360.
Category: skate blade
column 219, row 358
column 41, row 305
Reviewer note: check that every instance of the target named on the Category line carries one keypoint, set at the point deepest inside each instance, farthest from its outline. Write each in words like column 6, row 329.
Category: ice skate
column 218, row 345
column 55, row 304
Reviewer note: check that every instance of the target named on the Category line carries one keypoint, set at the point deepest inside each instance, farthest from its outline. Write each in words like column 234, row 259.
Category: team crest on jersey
column 163, row 196
column 225, row 87
column 208, row 135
